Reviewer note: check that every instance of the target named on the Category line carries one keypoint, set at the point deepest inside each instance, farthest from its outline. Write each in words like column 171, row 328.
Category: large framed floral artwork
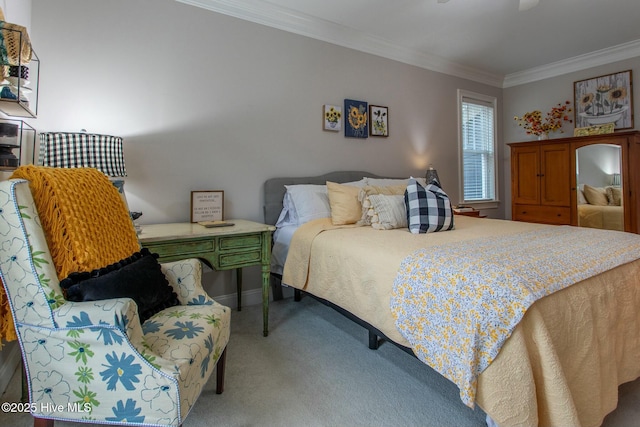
column 604, row 99
column 356, row 123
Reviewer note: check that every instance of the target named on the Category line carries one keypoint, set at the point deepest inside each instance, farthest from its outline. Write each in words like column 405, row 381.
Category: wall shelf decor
column 20, row 68
column 17, row 144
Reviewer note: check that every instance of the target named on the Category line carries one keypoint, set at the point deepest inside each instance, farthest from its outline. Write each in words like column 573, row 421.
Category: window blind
column 478, row 148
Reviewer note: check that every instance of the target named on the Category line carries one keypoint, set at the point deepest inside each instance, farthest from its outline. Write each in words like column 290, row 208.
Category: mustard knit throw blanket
column 85, row 221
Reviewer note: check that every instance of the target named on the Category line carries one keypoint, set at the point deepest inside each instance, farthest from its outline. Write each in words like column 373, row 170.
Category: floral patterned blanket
column 458, row 303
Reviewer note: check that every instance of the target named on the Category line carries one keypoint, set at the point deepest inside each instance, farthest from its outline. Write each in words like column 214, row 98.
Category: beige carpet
column 315, row 370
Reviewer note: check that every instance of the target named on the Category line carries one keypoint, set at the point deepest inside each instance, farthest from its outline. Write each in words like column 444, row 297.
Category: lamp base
column 119, row 184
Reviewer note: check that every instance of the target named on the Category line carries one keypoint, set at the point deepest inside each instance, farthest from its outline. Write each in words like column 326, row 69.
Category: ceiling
column 490, row 41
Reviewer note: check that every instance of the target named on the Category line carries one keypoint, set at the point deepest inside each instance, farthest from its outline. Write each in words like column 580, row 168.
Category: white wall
column 544, row 94
column 15, row 12
column 596, row 164
column 207, row 101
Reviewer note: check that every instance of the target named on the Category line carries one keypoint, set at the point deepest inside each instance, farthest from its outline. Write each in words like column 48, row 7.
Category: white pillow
column 288, row 215
column 581, row 199
column 309, row 201
column 386, row 182
column 387, row 211
column 359, row 184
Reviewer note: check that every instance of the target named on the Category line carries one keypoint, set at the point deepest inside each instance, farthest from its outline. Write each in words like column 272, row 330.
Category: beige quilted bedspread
column 604, row 217
column 561, row 366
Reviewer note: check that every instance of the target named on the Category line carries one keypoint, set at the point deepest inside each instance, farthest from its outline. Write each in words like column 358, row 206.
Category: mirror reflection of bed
column 600, row 201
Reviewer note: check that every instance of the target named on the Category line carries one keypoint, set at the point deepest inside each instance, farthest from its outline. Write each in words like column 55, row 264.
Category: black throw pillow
column 138, row 277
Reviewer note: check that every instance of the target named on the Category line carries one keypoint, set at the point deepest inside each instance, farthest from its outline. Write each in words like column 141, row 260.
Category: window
column 477, row 141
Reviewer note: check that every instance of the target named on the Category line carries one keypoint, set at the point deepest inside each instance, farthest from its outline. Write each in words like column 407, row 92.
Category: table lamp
column 86, row 150
column 432, row 175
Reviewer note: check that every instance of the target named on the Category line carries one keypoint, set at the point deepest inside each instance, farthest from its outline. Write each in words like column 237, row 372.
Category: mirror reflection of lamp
column 87, row 150
column 615, row 179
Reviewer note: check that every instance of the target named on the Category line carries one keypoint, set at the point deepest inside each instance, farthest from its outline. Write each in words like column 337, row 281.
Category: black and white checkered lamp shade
column 83, row 150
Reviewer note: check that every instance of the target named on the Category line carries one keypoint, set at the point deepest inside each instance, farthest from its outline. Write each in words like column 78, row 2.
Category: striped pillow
column 428, row 208
column 387, row 211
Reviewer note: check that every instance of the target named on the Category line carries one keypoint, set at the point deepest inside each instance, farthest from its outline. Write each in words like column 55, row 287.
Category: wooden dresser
column 544, row 183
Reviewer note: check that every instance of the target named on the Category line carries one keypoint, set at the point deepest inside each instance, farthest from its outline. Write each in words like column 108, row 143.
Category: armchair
column 94, row 361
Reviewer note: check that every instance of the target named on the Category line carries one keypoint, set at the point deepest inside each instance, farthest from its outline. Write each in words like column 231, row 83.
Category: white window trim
column 479, row 204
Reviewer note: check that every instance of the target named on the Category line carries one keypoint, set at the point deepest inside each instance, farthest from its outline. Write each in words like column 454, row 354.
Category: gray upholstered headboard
column 274, row 189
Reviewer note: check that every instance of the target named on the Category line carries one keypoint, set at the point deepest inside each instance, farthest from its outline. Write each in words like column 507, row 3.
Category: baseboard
column 251, row 297
column 10, row 356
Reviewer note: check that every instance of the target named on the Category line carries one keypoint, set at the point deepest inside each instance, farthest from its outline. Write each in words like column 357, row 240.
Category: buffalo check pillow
column 428, row 208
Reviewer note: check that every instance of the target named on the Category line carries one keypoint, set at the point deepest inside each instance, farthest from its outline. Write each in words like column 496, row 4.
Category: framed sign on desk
column 207, row 205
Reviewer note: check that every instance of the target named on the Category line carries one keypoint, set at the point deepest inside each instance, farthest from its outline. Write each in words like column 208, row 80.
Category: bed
column 603, row 217
column 600, row 207
column 561, row 364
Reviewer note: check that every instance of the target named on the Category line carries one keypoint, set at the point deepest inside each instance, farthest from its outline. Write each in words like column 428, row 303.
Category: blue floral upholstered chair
column 94, row 361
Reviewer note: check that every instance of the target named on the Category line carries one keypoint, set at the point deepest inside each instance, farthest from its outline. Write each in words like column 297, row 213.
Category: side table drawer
column 238, row 259
column 181, row 248
column 239, row 242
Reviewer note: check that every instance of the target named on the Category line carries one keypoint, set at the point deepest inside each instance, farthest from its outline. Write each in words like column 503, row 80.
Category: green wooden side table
column 244, row 244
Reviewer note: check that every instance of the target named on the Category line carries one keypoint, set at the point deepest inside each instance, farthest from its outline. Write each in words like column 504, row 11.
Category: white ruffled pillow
column 366, row 192
column 387, row 212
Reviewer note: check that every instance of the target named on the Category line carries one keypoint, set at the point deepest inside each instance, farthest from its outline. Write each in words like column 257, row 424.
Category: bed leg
column 373, row 341
column 297, row 295
column 276, row 287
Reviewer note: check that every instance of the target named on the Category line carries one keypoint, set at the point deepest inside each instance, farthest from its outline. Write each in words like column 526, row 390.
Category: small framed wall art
column 379, row 117
column 207, row 205
column 356, row 122
column 604, row 99
column 331, row 118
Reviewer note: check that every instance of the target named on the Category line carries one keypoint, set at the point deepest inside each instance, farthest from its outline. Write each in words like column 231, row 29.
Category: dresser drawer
column 542, row 214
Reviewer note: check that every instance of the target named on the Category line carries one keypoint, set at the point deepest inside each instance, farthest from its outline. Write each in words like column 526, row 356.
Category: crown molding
column 597, row 58
column 309, row 26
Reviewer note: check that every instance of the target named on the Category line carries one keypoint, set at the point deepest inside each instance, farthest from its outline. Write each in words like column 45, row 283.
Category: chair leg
column 24, row 398
column 42, row 422
column 220, row 372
